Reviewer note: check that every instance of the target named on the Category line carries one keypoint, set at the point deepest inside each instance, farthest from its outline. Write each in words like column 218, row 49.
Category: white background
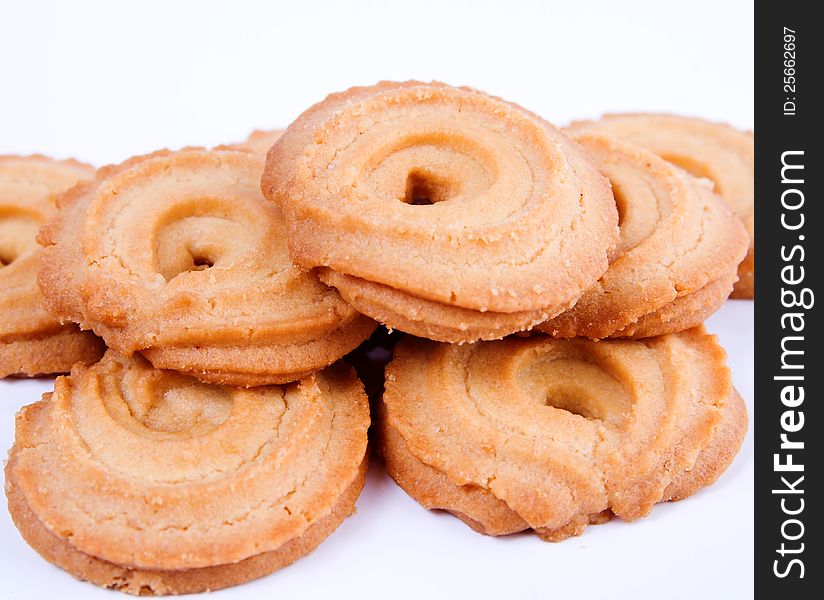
column 101, row 81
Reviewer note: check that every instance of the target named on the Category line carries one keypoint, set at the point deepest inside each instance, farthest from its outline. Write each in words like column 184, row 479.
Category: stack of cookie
column 220, row 438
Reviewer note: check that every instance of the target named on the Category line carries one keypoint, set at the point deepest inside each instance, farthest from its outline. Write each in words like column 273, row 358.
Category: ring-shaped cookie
column 178, row 255
column 552, row 435
column 677, row 258
column 32, row 341
column 441, row 211
column 714, row 151
column 151, row 482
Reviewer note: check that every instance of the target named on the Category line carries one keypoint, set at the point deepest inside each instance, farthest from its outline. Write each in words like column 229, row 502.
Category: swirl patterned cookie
column 178, row 255
column 440, row 211
column 678, row 256
column 151, row 482
column 552, row 435
column 32, row 341
column 712, row 151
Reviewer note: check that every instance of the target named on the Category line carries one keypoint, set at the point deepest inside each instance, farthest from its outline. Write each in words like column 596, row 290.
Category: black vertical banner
column 789, row 171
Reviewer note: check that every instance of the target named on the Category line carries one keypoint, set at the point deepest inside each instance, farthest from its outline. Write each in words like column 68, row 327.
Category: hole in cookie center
column 185, row 259
column 570, row 401
column 596, row 396
column 578, row 386
column 424, row 188
column 201, row 263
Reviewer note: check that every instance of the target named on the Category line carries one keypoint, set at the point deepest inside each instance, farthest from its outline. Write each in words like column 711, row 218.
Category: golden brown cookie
column 151, row 482
column 713, row 151
column 425, row 318
column 552, row 435
column 259, row 141
column 178, row 255
column 677, row 258
column 32, row 341
column 441, row 211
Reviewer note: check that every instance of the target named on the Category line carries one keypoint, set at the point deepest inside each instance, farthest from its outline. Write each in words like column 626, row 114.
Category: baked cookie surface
column 678, row 255
column 441, row 211
column 714, row 151
column 552, row 435
column 151, row 482
column 32, row 341
column 178, row 256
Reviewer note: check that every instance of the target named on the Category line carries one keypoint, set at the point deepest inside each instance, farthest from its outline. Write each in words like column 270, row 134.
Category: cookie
column 259, row 141
column 177, row 255
column 425, row 318
column 32, row 341
column 151, row 482
column 441, row 211
column 678, row 256
column 552, row 435
column 713, row 151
